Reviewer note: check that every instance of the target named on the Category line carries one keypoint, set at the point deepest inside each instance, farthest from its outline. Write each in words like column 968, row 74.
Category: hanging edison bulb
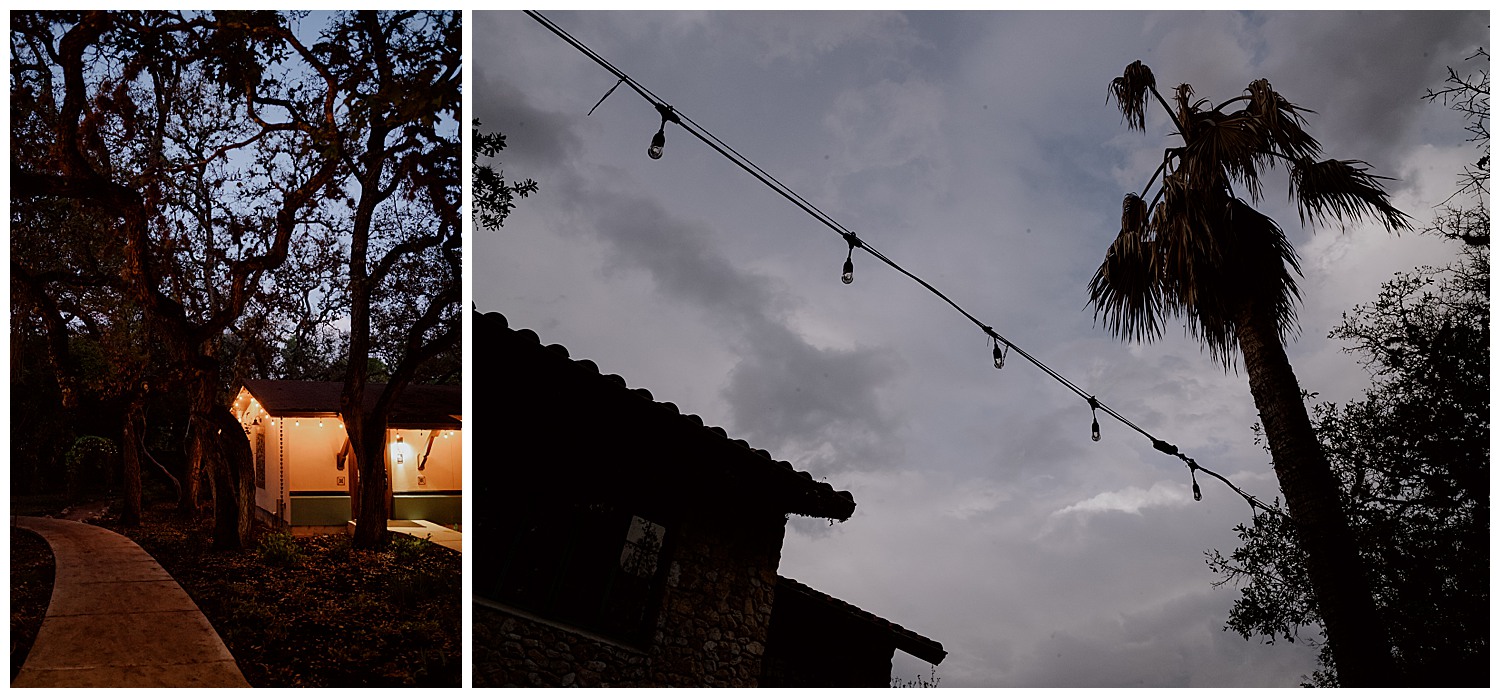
column 999, row 356
column 657, row 142
column 848, row 276
column 1197, row 493
column 1094, row 410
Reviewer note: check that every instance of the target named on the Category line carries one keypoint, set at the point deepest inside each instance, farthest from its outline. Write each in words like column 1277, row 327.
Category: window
column 260, row 456
column 594, row 566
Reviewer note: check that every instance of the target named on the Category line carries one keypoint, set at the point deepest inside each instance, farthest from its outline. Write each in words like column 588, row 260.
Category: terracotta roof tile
column 817, row 499
column 419, row 406
column 914, row 644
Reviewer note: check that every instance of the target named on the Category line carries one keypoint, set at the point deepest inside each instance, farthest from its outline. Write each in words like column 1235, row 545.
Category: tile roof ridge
column 562, row 351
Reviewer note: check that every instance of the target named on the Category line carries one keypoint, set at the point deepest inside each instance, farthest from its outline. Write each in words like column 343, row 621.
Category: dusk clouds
column 978, row 151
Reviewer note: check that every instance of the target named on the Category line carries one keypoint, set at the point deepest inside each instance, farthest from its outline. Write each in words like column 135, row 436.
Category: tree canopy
column 193, row 182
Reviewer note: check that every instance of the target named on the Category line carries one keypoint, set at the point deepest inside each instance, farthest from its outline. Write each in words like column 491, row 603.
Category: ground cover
column 315, row 612
column 31, row 575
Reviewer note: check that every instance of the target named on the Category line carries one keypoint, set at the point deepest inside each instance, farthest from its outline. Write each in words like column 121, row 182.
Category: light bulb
column 1096, row 429
column 657, row 142
column 1197, row 493
column 999, row 356
column 849, row 271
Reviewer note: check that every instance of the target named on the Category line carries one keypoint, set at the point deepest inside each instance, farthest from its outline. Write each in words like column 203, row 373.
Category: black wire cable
column 668, row 113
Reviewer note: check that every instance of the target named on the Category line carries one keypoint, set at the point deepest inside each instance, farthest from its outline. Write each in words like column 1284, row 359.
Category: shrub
column 407, row 549
column 279, row 549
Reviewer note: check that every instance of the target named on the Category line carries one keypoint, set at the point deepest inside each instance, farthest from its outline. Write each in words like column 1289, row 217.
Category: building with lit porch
column 304, row 473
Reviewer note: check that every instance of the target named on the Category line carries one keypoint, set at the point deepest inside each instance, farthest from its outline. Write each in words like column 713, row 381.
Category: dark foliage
column 317, row 612
column 494, row 198
column 31, row 573
column 1412, row 459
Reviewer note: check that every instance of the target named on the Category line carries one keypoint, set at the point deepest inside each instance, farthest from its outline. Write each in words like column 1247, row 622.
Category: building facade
column 304, row 474
column 620, row 542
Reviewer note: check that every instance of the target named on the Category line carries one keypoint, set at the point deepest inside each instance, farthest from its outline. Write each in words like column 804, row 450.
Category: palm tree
column 1200, row 252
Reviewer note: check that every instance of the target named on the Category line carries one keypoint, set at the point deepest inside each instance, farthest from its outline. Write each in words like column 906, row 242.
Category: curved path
column 117, row 619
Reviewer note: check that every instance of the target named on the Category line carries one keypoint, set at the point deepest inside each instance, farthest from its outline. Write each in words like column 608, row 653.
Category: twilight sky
column 977, row 151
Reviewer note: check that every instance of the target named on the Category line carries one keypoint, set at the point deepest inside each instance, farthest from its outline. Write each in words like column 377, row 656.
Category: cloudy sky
column 976, row 150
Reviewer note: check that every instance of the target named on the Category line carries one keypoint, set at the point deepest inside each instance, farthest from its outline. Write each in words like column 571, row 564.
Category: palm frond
column 1130, row 92
column 1181, row 95
column 1133, row 215
column 1125, row 291
column 1281, row 121
column 1344, row 190
column 1224, row 148
column 1266, row 265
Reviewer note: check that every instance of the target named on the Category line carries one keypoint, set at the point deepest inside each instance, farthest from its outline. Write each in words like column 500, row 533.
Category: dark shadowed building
column 619, row 542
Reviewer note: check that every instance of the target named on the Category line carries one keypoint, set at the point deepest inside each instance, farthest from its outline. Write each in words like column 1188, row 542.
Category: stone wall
column 513, row 650
column 716, row 614
column 711, row 628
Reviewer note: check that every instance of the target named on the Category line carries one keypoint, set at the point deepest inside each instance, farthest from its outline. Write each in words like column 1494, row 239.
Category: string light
column 854, row 242
column 659, row 140
column 1094, row 408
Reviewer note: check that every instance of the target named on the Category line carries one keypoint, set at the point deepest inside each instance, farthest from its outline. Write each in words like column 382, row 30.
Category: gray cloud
column 978, row 151
column 822, row 408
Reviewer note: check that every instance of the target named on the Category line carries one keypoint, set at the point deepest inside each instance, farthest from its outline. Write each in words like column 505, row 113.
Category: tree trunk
column 218, row 448
column 200, row 403
column 1356, row 633
column 233, row 470
column 131, row 458
column 367, row 439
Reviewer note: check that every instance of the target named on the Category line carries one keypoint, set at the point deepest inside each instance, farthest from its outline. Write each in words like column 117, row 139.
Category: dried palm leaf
column 1341, row 189
column 1281, row 120
column 1130, row 90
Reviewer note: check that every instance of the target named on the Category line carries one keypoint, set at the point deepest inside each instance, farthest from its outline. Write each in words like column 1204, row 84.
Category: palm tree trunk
column 1356, row 633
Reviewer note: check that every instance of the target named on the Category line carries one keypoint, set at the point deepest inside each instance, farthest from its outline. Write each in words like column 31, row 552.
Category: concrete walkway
column 117, row 619
column 429, row 531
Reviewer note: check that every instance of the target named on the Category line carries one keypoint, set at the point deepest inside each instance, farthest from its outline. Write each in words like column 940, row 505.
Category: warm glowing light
column 401, row 451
